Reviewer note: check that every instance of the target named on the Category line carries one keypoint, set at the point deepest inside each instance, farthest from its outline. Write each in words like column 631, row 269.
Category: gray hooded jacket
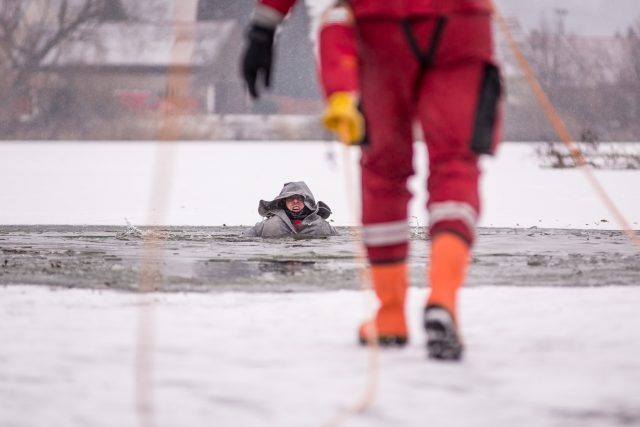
column 278, row 224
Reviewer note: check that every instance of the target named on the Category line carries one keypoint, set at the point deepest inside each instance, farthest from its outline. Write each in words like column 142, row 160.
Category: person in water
column 293, row 212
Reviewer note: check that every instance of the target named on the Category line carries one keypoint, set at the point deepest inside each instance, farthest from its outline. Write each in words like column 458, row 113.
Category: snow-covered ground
column 536, row 357
column 215, row 183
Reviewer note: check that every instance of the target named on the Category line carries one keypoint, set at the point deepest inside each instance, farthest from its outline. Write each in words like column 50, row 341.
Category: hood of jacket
column 268, row 208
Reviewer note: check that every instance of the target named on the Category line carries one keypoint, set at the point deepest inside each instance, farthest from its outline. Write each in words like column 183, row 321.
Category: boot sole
column 386, row 340
column 443, row 342
column 444, row 349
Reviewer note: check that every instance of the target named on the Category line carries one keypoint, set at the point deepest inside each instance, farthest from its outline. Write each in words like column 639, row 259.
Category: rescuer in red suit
column 429, row 61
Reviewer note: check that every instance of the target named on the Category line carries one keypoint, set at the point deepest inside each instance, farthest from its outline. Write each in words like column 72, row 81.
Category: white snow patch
column 215, row 183
column 536, row 357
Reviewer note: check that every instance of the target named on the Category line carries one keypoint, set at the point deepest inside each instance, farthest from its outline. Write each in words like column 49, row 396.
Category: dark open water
column 222, row 259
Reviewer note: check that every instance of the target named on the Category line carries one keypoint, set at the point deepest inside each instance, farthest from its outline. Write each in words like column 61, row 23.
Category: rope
column 367, row 398
column 177, row 87
column 562, row 131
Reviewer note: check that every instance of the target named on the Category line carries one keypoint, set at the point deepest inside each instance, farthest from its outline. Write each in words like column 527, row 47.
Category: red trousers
column 454, row 97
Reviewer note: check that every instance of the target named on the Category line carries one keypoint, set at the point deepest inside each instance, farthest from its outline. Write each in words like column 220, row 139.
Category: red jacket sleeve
column 338, row 60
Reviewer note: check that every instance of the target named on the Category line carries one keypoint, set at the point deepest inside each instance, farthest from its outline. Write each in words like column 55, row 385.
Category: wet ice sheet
column 536, row 357
column 220, row 258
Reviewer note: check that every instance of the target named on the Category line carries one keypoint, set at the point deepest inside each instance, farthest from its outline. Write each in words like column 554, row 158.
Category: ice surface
column 215, row 183
column 269, row 338
column 536, row 357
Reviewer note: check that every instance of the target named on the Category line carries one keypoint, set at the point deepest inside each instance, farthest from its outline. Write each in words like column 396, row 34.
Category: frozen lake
column 216, row 183
column 250, row 332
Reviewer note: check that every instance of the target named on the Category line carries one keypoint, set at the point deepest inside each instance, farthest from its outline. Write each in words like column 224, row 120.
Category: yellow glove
column 343, row 118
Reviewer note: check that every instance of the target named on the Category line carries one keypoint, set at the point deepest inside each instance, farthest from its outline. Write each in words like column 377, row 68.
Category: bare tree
column 32, row 31
column 593, row 82
column 631, row 76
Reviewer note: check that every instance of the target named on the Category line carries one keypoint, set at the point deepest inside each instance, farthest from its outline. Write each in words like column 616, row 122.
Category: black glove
column 258, row 57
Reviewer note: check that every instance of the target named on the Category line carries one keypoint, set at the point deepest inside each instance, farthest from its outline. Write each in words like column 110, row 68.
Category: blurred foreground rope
column 175, row 102
column 371, row 386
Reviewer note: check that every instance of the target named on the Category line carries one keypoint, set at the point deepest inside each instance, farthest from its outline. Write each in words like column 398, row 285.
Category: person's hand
column 258, row 57
column 342, row 117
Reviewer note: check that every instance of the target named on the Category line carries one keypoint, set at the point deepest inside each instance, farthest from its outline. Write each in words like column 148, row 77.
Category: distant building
column 134, row 59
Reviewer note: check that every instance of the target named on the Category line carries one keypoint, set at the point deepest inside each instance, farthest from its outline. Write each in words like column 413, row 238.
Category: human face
column 295, row 203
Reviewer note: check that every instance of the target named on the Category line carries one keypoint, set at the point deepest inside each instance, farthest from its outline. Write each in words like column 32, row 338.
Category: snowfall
column 535, row 356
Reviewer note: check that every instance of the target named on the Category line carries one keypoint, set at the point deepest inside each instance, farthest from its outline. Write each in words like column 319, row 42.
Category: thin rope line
column 178, row 82
column 373, row 368
column 562, row 131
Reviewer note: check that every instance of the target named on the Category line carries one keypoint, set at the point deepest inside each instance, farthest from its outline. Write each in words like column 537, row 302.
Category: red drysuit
column 396, row 8
column 430, row 61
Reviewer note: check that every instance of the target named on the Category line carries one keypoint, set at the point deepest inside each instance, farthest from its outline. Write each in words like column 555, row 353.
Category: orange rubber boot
column 449, row 260
column 390, row 284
